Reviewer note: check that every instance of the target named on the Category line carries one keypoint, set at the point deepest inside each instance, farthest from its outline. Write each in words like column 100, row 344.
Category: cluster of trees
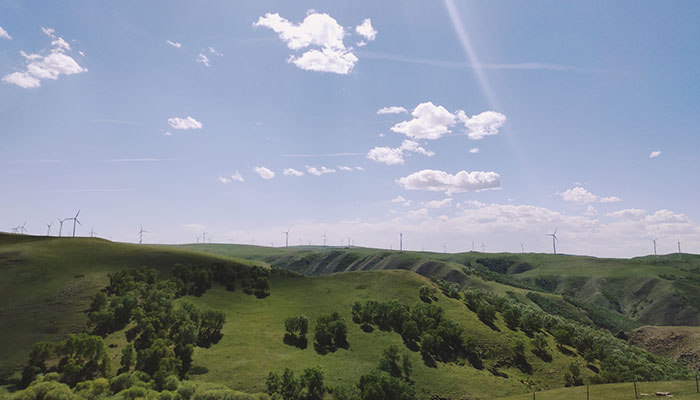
column 81, row 357
column 619, row 361
column 309, row 386
column 296, row 328
column 331, row 333
column 161, row 339
column 428, row 294
column 423, row 327
column 195, row 280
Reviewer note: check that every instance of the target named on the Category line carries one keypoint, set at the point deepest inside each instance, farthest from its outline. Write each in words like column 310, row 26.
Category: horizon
column 459, row 123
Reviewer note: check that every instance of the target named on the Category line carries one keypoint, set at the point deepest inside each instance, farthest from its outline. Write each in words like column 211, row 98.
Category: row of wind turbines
column 21, row 228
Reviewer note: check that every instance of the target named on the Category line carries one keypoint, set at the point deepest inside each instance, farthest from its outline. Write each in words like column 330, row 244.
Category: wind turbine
column 198, row 238
column 204, row 237
column 654, row 240
column 60, row 230
column 522, row 247
column 48, row 232
column 444, row 248
column 680, row 257
column 75, row 220
column 554, row 239
column 324, row 239
column 21, row 228
column 286, row 237
column 300, row 242
column 141, row 232
column 483, row 247
column 400, row 241
column 92, row 232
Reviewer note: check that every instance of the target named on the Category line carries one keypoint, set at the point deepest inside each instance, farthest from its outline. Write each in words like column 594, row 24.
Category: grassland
column 660, row 290
column 45, row 285
column 616, row 391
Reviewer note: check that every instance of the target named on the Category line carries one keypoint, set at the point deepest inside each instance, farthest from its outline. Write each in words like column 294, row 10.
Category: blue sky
column 171, row 114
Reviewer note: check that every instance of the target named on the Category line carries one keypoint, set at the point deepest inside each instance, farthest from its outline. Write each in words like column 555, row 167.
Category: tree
column 296, row 328
column 331, row 333
column 428, row 293
column 572, row 377
column 378, row 385
column 539, row 342
column 394, row 364
column 128, row 357
column 312, row 381
column 511, row 316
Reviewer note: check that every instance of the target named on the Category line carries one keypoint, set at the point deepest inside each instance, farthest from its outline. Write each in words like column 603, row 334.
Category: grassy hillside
column 252, row 343
column 651, row 290
column 616, row 391
column 46, row 282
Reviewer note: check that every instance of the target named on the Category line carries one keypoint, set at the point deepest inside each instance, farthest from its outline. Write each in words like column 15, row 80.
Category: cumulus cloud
column 4, row 34
column 628, row 213
column 393, row 156
column 224, row 180
column 345, row 168
column 579, row 194
column 474, row 150
column 485, row 124
column 591, row 211
column 50, row 66
column 174, row 44
column 429, row 122
column 420, row 213
column 441, row 181
column 264, row 173
column 654, row 154
column 366, row 30
column 215, row 52
column 292, row 172
column 319, row 171
column 184, row 123
column 321, row 36
column 391, row 110
column 438, row 203
column 201, row 58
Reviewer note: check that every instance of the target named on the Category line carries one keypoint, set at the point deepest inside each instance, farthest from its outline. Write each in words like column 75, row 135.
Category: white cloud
column 485, row 124
column 441, row 181
column 474, row 150
column 429, row 122
column 654, row 154
column 393, row 156
column 184, row 123
column 400, row 199
column 319, row 171
column 361, row 43
column 174, row 44
column 237, row 177
column 22, row 80
column 366, row 30
column 215, row 52
column 264, row 173
column 359, row 168
column 48, row 32
column 168, row 133
column 292, row 172
column 201, row 58
column 420, row 213
column 628, row 213
column 438, row 203
column 4, row 34
column 610, row 199
column 345, row 168
column 51, row 66
column 224, row 180
column 579, row 194
column 317, row 30
column 591, row 211
column 392, row 110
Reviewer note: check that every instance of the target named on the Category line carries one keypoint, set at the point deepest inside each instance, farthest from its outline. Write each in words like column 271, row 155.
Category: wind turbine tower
column 75, row 220
column 21, row 228
column 48, row 231
column 141, row 232
column 522, row 247
column 400, row 241
column 60, row 229
column 204, row 237
column 324, row 239
column 680, row 257
column 554, row 239
column 92, row 232
column 286, row 237
column 654, row 240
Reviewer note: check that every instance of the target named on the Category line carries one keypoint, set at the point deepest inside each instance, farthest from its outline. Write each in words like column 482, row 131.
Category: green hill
column 501, row 336
column 46, row 283
column 650, row 290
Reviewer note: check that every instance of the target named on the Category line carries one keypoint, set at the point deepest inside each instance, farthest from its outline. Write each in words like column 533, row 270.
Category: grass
column 46, row 284
column 616, row 391
column 252, row 344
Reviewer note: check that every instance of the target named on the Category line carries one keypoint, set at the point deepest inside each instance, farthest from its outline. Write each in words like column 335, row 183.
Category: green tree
column 128, row 357
column 312, row 381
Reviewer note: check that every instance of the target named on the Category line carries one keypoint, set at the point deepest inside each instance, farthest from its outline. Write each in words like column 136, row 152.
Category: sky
column 479, row 125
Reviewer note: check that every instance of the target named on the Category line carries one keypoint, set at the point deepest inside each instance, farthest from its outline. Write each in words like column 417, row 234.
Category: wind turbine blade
column 76, row 220
column 555, row 231
column 76, row 214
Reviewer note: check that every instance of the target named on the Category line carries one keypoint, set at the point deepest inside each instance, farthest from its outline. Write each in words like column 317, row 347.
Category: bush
column 331, row 333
